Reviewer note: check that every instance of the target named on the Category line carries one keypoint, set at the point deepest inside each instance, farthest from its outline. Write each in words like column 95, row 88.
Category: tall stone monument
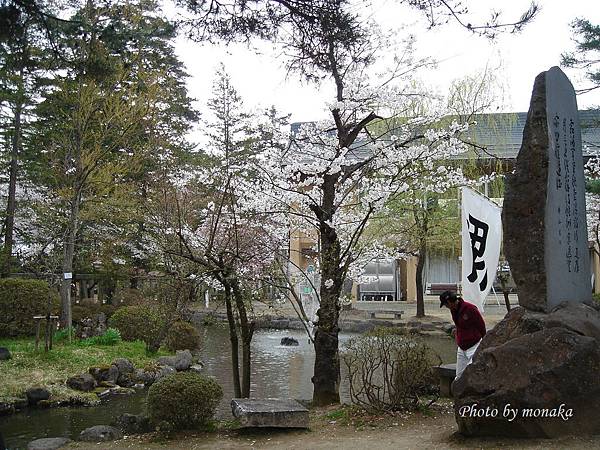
column 544, row 219
column 536, row 373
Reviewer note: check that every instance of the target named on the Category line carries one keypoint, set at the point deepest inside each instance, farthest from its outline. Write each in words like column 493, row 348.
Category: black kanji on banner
column 478, row 240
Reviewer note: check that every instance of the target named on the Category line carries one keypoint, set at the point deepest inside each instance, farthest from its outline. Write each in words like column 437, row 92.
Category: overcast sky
column 516, row 59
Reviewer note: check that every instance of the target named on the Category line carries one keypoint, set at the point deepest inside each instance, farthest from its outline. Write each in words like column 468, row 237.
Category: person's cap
column 447, row 296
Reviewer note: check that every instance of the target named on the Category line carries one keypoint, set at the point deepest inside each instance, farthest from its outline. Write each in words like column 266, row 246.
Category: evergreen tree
column 586, row 52
column 115, row 122
column 25, row 58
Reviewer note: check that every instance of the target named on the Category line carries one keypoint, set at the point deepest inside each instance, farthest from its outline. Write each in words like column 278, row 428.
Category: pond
column 277, row 371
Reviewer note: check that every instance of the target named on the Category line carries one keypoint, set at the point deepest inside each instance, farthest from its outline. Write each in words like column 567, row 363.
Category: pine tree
column 25, row 58
column 586, row 52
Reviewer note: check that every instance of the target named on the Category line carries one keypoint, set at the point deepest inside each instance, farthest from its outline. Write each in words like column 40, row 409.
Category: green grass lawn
column 29, row 367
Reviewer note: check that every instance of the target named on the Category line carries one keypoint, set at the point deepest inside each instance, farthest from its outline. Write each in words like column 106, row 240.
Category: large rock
column 269, row 412
column 534, row 375
column 126, row 372
column 182, row 360
column 4, row 354
column 48, row 443
column 105, row 373
column 580, row 318
column 289, row 341
column 126, row 379
column 84, row 382
column 100, row 433
column 151, row 375
column 124, row 365
column 37, row 394
column 134, row 424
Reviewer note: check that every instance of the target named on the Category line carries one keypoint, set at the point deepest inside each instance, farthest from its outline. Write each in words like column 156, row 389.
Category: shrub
column 129, row 297
column 109, row 338
column 137, row 323
column 596, row 298
column 182, row 336
column 388, row 370
column 90, row 311
column 20, row 300
column 184, row 400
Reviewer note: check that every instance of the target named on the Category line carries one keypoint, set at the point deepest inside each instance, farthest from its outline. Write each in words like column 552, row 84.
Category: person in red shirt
column 470, row 328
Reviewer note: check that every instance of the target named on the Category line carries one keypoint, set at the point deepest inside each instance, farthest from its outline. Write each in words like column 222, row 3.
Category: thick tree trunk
column 419, row 279
column 247, row 331
column 9, row 221
column 67, row 266
column 233, row 337
column 326, row 377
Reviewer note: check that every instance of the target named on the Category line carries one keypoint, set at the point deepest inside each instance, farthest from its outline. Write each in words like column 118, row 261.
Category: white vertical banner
column 481, row 239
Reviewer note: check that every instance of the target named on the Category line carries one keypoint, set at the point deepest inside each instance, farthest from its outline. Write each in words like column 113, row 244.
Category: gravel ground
column 435, row 430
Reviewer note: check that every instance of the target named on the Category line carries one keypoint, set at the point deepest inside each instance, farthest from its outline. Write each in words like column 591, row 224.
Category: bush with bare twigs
column 389, row 370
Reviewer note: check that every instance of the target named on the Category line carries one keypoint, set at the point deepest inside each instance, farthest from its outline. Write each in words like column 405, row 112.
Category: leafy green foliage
column 112, row 336
column 182, row 336
column 137, row 323
column 184, row 400
column 592, row 186
column 338, row 414
column 63, row 334
column 389, row 370
column 20, row 300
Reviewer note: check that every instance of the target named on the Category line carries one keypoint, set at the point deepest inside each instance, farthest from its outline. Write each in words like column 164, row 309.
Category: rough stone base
column 270, row 412
column 543, row 366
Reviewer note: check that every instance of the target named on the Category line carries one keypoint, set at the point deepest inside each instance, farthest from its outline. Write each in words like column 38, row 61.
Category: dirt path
column 436, row 431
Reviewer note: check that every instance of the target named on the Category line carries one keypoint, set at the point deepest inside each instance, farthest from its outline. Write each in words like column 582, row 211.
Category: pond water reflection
column 277, row 371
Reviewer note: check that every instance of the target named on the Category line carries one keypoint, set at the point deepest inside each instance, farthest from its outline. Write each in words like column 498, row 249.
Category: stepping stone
column 269, row 412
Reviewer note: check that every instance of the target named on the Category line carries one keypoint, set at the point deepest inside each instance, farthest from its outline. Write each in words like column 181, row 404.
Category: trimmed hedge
column 182, row 336
column 90, row 311
column 137, row 323
column 184, row 400
column 20, row 300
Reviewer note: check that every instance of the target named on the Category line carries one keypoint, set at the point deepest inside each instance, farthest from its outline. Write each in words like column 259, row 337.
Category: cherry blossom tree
column 337, row 173
column 592, row 199
column 206, row 216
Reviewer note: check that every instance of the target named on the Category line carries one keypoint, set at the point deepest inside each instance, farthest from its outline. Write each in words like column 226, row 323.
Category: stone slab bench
column 447, row 373
column 396, row 314
column 269, row 412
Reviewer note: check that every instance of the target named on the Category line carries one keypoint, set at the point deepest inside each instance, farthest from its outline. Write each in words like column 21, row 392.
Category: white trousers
column 464, row 358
